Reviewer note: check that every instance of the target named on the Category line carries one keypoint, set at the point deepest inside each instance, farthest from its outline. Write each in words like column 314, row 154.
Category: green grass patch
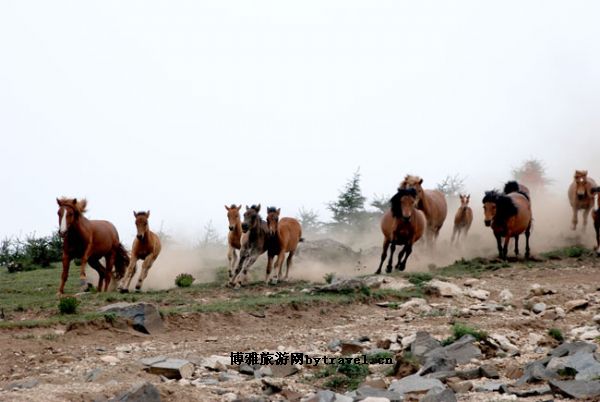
column 556, row 334
column 68, row 305
column 459, row 330
column 184, row 280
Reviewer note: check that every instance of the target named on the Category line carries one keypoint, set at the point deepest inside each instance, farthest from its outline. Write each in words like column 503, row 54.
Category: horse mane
column 395, row 201
column 514, row 187
column 505, row 207
column 80, row 205
column 271, row 209
column 410, row 180
column 491, row 196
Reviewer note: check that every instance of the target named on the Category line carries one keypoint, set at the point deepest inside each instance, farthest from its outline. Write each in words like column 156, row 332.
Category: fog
column 183, row 107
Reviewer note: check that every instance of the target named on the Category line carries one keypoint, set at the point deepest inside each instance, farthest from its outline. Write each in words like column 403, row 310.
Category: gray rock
column 415, row 383
column 223, row 377
column 571, row 348
column 576, row 389
column 173, row 368
column 423, row 344
column 539, row 308
column 535, row 372
column 489, row 371
column 329, row 396
column 334, row 345
column 446, row 395
column 142, row 317
column 144, row 392
column 443, row 289
column 447, row 357
column 525, row 393
column 586, row 366
column 284, row 370
column 364, row 392
column 92, row 375
column 149, row 361
column 576, row 304
column 23, row 384
column 245, row 368
column 490, row 386
column 351, row 347
column 264, row 372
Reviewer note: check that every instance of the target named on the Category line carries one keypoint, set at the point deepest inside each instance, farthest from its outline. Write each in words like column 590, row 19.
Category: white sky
column 181, row 107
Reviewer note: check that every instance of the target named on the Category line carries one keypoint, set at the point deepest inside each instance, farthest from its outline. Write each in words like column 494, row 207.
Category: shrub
column 329, row 277
column 68, row 305
column 556, row 334
column 184, row 280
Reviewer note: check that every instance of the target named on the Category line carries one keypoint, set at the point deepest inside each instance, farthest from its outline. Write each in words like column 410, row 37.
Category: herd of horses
column 413, row 212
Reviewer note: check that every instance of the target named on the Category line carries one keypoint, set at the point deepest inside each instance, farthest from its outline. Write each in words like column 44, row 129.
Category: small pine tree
column 349, row 208
column 452, row 186
column 381, row 203
column 309, row 219
column 532, row 173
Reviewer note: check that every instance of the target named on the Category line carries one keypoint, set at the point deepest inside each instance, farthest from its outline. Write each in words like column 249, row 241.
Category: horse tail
column 121, row 261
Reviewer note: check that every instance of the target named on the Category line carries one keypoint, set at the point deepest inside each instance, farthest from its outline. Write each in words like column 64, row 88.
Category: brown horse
column 287, row 233
column 581, row 197
column 256, row 243
column 509, row 215
column 431, row 202
column 234, row 237
column 596, row 217
column 462, row 219
column 146, row 247
column 402, row 224
column 89, row 240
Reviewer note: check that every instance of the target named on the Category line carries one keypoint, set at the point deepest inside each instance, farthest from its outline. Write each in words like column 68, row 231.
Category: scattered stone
column 149, row 361
column 576, row 304
column 110, row 359
column 24, row 384
column 506, row 296
column 215, row 363
column 513, row 372
column 224, row 376
column 585, row 365
column 461, row 387
column 586, row 333
column 443, row 289
column 489, row 371
column 351, row 347
column 461, row 351
column 434, row 395
column 92, row 375
column 144, row 392
column 272, row 385
column 538, row 290
column 328, row 396
column 415, row 305
column 529, row 392
column 334, row 345
column 142, row 317
column 423, row 344
column 504, row 343
column 479, row 294
column 471, row 282
column 365, row 392
column 378, row 383
column 415, row 383
column 352, row 284
column 576, row 389
column 264, row 372
column 173, row 368
column 291, row 396
column 596, row 318
column 490, row 386
column 538, row 308
column 284, row 370
column 245, row 368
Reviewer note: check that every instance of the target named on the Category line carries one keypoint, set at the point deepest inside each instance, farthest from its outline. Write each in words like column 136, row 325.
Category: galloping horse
column 581, row 197
column 509, row 215
column 146, row 246
column 287, row 233
column 234, row 237
column 89, row 240
column 431, row 202
column 463, row 218
column 402, row 224
column 596, row 217
column 256, row 243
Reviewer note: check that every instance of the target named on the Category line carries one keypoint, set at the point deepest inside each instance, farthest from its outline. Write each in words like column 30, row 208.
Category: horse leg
column 250, row 260
column 243, row 256
column 278, row 266
column 505, row 248
column 400, row 257
column 574, row 219
column 66, row 262
column 126, row 281
column 98, row 267
column 499, row 244
column 289, row 263
column 270, row 267
column 231, row 259
column 454, row 231
column 586, row 213
column 146, row 265
column 527, row 234
column 407, row 251
column 110, row 263
column 388, row 269
column 517, row 245
column 386, row 245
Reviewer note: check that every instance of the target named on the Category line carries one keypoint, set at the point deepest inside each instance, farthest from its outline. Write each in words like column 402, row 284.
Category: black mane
column 271, row 209
column 505, row 207
column 395, row 201
column 514, row 187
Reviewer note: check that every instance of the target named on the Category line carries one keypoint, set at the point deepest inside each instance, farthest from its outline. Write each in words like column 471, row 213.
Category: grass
column 459, row 330
column 184, row 280
column 343, row 376
column 556, row 334
column 576, row 251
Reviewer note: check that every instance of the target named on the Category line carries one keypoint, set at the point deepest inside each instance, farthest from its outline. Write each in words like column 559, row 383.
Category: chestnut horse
column 402, row 224
column 89, row 240
column 234, row 237
column 596, row 217
column 431, row 202
column 509, row 215
column 462, row 219
column 581, row 197
column 287, row 233
column 256, row 243
column 146, row 247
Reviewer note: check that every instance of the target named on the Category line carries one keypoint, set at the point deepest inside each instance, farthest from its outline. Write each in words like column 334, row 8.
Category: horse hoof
column 388, row 270
column 124, row 290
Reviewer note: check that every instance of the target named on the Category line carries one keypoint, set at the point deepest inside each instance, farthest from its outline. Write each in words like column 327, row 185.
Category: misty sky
column 182, row 107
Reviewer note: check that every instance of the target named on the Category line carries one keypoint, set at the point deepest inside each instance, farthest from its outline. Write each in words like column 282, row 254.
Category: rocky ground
column 465, row 339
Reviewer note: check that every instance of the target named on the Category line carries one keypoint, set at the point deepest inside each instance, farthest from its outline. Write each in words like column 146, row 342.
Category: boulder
column 142, row 317
column 173, row 368
column 144, row 392
column 443, row 289
column 577, row 389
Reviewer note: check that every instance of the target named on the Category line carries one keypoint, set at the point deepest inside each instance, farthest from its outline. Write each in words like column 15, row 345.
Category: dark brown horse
column 255, row 244
column 462, row 219
column 89, row 240
column 146, row 247
column 234, row 237
column 402, row 224
column 431, row 202
column 596, row 217
column 287, row 233
column 509, row 215
column 581, row 197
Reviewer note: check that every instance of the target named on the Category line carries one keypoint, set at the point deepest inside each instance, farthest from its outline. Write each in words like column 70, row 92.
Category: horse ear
column 421, row 181
column 278, row 211
column 247, row 207
column 58, row 202
column 226, row 207
column 135, row 214
column 148, row 214
column 240, row 207
column 258, row 208
column 75, row 201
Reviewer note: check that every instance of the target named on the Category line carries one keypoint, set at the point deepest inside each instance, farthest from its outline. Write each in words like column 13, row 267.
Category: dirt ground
column 60, row 357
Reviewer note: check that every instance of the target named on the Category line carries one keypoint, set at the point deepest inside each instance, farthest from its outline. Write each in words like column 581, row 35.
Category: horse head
column 251, row 218
column 141, row 223
column 489, row 206
column 233, row 216
column 464, row 199
column 403, row 203
column 272, row 219
column 69, row 211
column 581, row 184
